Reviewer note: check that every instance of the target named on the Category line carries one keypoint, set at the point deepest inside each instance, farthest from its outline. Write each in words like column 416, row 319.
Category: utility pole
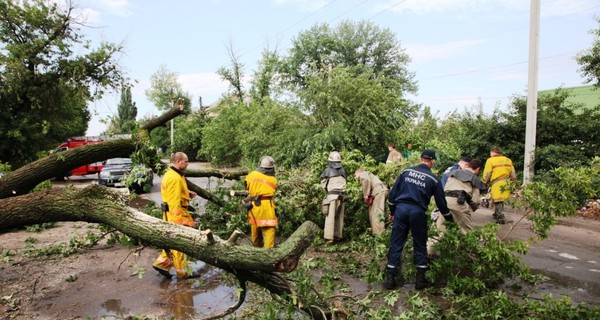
column 532, row 88
column 172, row 127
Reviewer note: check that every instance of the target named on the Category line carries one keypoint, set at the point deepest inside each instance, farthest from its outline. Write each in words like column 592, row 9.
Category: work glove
column 448, row 217
column 435, row 214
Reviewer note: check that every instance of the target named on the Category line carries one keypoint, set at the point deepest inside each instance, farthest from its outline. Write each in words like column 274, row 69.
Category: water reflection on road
column 207, row 295
column 185, row 299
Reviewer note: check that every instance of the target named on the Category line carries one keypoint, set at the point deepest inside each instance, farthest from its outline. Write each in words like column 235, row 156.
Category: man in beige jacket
column 374, row 194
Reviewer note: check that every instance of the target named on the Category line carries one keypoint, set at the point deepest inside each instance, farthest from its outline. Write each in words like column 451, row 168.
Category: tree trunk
column 172, row 113
column 98, row 204
column 24, row 179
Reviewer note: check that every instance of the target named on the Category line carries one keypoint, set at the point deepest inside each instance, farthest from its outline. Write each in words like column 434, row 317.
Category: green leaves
column 558, row 193
column 44, row 84
column 590, row 59
column 477, row 262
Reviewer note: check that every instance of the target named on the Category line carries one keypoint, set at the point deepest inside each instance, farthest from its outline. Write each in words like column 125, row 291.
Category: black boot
column 390, row 278
column 498, row 212
column 422, row 281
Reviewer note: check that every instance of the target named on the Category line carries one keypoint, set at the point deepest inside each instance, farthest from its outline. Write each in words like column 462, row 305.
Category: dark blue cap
column 428, row 154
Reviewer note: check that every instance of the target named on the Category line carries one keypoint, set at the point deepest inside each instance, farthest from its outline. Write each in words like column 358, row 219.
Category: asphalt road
column 570, row 256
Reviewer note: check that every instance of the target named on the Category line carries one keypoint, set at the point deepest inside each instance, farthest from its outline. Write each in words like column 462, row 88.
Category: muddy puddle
column 182, row 299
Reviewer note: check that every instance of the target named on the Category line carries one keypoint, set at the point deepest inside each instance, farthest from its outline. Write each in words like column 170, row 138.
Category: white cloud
column 304, row 5
column 117, row 7
column 452, row 6
column 207, row 85
column 421, row 52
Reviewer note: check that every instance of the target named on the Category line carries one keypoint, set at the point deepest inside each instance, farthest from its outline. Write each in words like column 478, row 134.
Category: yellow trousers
column 178, row 260
column 263, row 236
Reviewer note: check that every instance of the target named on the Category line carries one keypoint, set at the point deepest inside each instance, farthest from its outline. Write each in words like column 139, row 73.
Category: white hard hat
column 335, row 156
column 267, row 162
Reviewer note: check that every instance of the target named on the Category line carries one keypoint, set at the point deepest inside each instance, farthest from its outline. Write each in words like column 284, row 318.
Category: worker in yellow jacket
column 496, row 173
column 175, row 203
column 261, row 185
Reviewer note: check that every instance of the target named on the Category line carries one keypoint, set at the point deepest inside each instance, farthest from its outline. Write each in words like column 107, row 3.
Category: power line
column 492, row 67
column 388, row 9
column 290, row 27
column 347, row 11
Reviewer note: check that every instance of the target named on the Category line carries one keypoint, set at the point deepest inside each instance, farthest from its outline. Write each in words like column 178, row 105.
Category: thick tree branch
column 98, row 204
column 27, row 177
column 205, row 193
column 207, row 173
column 177, row 110
column 24, row 179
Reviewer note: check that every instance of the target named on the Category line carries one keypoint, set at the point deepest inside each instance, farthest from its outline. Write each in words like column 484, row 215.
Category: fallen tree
column 98, row 204
column 24, row 179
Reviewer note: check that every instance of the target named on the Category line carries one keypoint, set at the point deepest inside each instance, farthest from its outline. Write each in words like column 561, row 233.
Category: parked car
column 120, row 172
column 113, row 170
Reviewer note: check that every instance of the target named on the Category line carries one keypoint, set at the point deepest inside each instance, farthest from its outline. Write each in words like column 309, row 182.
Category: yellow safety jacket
column 498, row 169
column 175, row 193
column 262, row 186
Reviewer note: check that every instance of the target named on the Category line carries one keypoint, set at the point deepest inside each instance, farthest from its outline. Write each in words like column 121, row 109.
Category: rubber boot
column 390, row 278
column 422, row 281
column 498, row 212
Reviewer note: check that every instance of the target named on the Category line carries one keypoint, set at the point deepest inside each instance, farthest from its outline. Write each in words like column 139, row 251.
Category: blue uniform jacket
column 446, row 174
column 415, row 186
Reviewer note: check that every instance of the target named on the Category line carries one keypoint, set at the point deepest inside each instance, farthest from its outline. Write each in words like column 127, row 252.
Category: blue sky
column 464, row 52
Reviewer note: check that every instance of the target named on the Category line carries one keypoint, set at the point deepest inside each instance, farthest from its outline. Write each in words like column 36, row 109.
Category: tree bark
column 98, row 204
column 24, row 179
column 225, row 174
column 177, row 110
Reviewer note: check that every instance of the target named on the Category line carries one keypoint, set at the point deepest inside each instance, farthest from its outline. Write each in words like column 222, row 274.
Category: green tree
column 165, row 90
column 590, row 59
column 361, row 46
column 188, row 134
column 45, row 84
column 124, row 121
column 353, row 111
column 219, row 137
column 567, row 133
column 263, row 82
column 352, row 80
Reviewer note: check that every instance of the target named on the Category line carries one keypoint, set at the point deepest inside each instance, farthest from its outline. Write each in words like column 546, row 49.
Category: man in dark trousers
column 409, row 200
